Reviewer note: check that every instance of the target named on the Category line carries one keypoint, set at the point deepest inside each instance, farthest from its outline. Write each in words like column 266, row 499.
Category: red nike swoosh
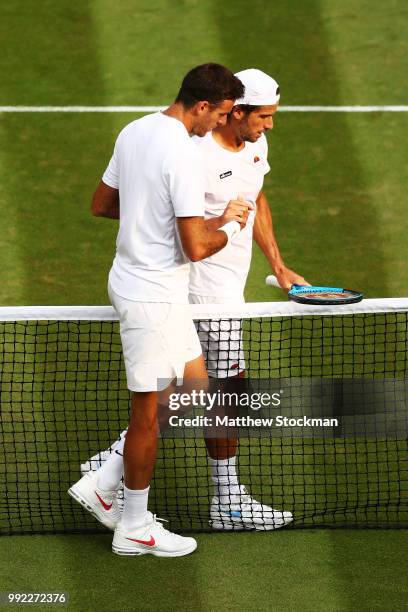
column 150, row 542
column 104, row 504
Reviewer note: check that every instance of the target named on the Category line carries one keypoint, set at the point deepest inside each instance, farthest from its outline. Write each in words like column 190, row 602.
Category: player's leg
column 151, row 357
column 140, row 447
column 154, row 340
column 222, row 442
column 100, row 490
column 139, row 532
column 232, row 508
column 97, row 490
column 108, row 464
column 132, row 537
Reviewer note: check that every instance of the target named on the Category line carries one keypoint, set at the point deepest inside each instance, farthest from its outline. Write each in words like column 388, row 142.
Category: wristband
column 232, row 228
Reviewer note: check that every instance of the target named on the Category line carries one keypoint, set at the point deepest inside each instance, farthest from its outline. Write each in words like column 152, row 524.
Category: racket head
column 324, row 295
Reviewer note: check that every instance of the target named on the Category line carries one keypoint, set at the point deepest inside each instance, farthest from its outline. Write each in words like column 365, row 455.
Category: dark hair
column 211, row 82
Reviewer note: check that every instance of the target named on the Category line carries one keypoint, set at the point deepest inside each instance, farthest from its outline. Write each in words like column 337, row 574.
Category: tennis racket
column 304, row 294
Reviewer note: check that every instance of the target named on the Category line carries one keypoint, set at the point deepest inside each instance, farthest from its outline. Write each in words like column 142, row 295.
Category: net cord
column 206, row 311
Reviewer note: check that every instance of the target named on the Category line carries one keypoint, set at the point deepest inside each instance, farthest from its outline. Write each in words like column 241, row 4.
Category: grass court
column 338, row 196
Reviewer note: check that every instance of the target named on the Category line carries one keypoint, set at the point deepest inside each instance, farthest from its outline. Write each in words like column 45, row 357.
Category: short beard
column 248, row 139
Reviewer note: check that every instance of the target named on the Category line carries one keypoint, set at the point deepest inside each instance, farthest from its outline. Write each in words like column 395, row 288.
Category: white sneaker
column 243, row 512
column 95, row 462
column 101, row 504
column 152, row 538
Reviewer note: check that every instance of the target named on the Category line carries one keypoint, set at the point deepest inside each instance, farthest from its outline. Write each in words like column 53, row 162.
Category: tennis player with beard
column 235, row 163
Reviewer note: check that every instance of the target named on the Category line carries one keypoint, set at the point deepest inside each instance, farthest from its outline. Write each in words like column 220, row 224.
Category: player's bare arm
column 265, row 238
column 199, row 241
column 105, row 202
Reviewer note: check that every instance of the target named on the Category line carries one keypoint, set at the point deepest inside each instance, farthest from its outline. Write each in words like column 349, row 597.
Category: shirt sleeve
column 185, row 174
column 111, row 175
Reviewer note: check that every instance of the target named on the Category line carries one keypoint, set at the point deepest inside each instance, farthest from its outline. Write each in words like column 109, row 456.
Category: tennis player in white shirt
column 235, row 162
column 154, row 184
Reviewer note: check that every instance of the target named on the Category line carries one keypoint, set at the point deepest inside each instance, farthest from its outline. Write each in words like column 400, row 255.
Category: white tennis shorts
column 158, row 339
column 221, row 340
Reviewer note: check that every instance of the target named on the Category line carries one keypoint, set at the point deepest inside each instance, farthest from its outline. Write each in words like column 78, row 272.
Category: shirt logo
column 256, row 159
column 225, row 174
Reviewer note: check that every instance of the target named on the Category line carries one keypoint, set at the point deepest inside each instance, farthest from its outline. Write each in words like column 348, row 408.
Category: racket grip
column 273, row 281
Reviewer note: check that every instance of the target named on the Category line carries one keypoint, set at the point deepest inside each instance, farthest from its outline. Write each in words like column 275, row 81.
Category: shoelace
column 158, row 522
column 107, row 495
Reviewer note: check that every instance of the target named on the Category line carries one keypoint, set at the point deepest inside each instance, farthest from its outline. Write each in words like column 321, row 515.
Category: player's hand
column 237, row 210
column 287, row 277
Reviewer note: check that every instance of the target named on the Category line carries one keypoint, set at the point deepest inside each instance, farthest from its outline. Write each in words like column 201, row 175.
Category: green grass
column 309, row 571
column 327, row 215
column 337, row 194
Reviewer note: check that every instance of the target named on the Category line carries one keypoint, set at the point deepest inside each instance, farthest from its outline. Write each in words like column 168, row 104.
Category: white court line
column 152, row 109
column 80, row 109
column 344, row 109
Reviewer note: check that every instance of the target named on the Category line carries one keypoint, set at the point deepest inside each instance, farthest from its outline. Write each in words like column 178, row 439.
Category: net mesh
column 64, row 398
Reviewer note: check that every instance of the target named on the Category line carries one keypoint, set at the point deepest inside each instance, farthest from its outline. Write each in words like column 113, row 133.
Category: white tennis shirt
column 158, row 171
column 227, row 175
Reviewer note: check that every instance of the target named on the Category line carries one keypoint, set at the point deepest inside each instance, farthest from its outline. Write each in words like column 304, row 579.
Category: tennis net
column 64, row 398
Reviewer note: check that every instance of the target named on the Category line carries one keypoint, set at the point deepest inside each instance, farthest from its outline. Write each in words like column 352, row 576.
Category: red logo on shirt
column 256, row 159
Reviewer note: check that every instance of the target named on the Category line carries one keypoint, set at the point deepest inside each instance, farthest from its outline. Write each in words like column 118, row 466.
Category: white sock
column 134, row 508
column 111, row 471
column 225, row 478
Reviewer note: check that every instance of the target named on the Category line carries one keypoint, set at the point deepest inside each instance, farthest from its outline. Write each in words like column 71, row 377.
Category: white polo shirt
column 227, row 175
column 158, row 171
